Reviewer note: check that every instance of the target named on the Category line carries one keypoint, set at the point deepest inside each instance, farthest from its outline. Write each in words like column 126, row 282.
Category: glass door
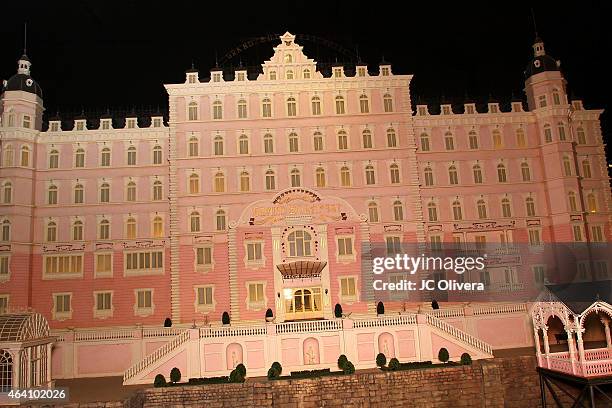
column 305, row 303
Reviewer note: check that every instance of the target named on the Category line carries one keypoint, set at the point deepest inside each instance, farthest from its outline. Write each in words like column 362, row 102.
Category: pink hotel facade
column 262, row 193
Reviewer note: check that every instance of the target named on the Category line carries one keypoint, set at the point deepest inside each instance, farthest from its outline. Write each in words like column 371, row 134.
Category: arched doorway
column 557, row 336
column 594, row 333
column 304, row 303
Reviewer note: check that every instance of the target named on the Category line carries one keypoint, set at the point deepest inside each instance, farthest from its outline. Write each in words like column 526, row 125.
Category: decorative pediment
column 289, row 62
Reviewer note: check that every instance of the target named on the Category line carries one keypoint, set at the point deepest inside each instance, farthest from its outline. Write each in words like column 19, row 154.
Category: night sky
column 91, row 55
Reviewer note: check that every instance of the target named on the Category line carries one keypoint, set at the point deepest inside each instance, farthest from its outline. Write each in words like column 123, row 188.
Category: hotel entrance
column 303, row 303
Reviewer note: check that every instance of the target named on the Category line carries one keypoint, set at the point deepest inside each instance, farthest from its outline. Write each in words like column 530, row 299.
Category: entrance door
column 305, row 303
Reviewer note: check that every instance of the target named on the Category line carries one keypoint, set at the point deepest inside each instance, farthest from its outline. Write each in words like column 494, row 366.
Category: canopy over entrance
column 301, row 269
column 23, row 327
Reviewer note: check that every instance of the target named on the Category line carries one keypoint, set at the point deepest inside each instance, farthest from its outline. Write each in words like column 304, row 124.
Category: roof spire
column 25, row 38
column 535, row 27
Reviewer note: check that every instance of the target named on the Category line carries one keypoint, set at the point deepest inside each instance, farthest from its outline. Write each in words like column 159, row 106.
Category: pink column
column 546, row 346
column 606, row 324
column 536, row 336
column 572, row 349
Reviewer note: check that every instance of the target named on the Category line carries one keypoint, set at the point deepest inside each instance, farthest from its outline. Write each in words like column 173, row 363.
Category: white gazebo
column 25, row 351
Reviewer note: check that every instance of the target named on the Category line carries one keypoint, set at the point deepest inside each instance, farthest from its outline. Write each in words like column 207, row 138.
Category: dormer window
column 288, row 58
column 446, row 109
column 306, row 73
column 216, row 77
column 131, row 123
column 240, row 76
column 338, row 72
column 191, row 78
column 272, row 75
column 54, row 127
column 517, row 107
column 493, row 108
column 470, row 109
column 422, row 110
column 80, row 125
column 385, row 71
column 157, row 122
column 106, row 124
column 577, row 105
column 361, row 71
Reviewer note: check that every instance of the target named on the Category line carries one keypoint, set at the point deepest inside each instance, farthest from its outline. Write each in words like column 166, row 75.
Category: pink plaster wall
column 104, row 359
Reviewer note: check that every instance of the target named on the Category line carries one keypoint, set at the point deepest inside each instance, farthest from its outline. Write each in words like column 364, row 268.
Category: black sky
column 96, row 54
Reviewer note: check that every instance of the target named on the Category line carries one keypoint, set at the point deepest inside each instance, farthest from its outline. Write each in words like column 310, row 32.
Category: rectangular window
column 204, row 256
column 59, row 266
column 542, row 101
column 4, row 304
column 144, row 299
column 577, row 233
column 144, row 263
column 205, row 296
column 601, row 270
column 534, row 237
column 256, row 293
column 104, row 266
column 27, row 121
column 254, row 251
column 103, row 301
column 345, row 246
column 435, row 242
column 539, row 274
column 597, row 233
column 394, row 245
column 62, row 303
column 348, row 287
column 4, row 265
column 583, row 270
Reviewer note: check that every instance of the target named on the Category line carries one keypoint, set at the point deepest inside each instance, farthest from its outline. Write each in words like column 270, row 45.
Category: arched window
column 394, row 173
column 388, row 103
column 158, row 227
column 157, row 190
column 289, row 73
column 367, row 138
column 501, row 173
column 52, row 194
column 432, row 211
column 295, row 178
column 373, row 211
column 581, row 135
column 547, row 133
column 591, row 203
column 51, row 231
column 561, row 131
column 6, row 230
column 242, row 109
column 342, row 140
column 573, row 203
column 453, row 177
column 473, row 139
column 194, row 184
column 506, row 208
column 218, row 145
column 220, row 220
column 131, row 191
column 340, row 105
column 567, row 166
column 429, row 181
column 25, row 156
column 194, row 147
column 293, row 142
column 77, row 230
column 364, row 104
column 219, row 182
column 521, row 141
column 268, row 143
column 306, row 73
column 317, row 141
column 130, row 228
column 157, row 155
column 291, row 106
column 530, row 207
column 272, row 75
column 193, row 110
column 299, row 243
column 498, row 142
column 345, row 177
column 9, row 154
column 104, row 193
column 398, row 211
column 194, row 219
column 425, row 142
column 217, row 109
column 391, row 138
column 316, row 105
column 449, row 141
column 243, row 144
column 105, row 157
column 525, row 171
column 270, row 180
column 320, row 177
column 104, row 229
column 245, row 181
column 369, row 174
column 131, row 156
column 586, row 168
column 79, row 158
column 477, row 172
column 53, row 159
column 481, row 206
column 78, row 194
column 556, row 98
column 457, row 211
column 266, row 108
column 7, row 196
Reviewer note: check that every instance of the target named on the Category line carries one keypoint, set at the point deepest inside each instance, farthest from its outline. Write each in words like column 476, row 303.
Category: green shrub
column 394, row 364
column 466, row 359
column 278, row 367
column 443, row 355
column 272, row 373
column 275, row 370
column 381, row 360
column 342, row 360
column 349, row 368
column 209, row 380
column 338, row 310
column 241, row 369
column 160, row 381
column 269, row 314
column 175, row 375
column 236, row 376
column 311, row 373
column 225, row 319
column 380, row 308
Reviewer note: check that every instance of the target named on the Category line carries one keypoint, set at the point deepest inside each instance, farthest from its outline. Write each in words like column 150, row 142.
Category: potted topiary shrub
column 225, row 319
column 275, row 371
column 241, row 369
column 342, row 360
column 168, row 322
column 443, row 355
column 349, row 368
column 380, row 308
column 338, row 310
column 160, row 381
column 394, row 364
column 269, row 315
column 466, row 359
column 175, row 375
column 238, row 374
column 381, row 360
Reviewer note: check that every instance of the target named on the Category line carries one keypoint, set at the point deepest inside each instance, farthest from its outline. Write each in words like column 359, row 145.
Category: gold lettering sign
column 285, row 210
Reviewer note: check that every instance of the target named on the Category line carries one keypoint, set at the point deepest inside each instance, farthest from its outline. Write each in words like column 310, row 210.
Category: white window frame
column 204, row 308
column 348, row 299
column 140, row 271
column 97, row 272
column 104, row 313
column 258, row 305
column 64, row 275
column 144, row 311
column 205, row 267
column 254, row 263
column 345, row 258
column 64, row 315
